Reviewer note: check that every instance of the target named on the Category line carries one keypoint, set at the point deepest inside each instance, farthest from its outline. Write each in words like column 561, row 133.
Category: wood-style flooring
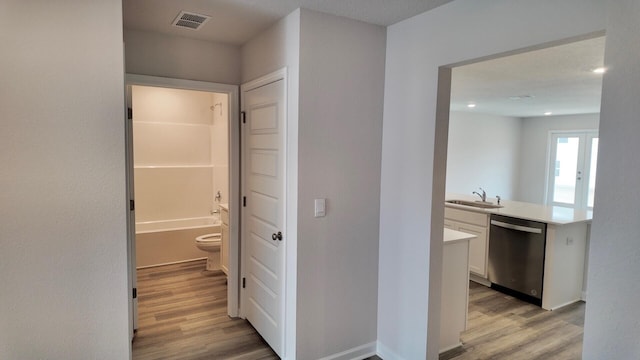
column 182, row 314
column 502, row 327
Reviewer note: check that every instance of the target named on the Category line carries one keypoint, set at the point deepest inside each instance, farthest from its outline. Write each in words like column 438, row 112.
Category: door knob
column 277, row 236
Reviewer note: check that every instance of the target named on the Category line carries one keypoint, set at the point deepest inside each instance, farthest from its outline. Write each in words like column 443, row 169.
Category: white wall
column 272, row 50
column 410, row 258
column 483, row 151
column 155, row 54
column 612, row 328
column 341, row 93
column 505, row 156
column 535, row 151
column 278, row 47
column 340, row 132
column 63, row 248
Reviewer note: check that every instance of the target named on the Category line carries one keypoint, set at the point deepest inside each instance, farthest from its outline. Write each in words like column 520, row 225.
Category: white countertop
column 547, row 214
column 451, row 236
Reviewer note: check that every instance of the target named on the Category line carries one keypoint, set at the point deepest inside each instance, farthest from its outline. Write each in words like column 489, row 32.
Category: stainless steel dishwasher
column 516, row 257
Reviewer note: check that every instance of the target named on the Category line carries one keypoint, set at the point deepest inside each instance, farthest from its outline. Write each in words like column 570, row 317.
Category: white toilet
column 211, row 244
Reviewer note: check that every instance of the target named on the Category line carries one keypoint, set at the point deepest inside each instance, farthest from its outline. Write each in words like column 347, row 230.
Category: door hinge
column 244, row 283
column 132, row 205
column 129, row 113
column 244, row 201
column 244, row 117
column 135, row 293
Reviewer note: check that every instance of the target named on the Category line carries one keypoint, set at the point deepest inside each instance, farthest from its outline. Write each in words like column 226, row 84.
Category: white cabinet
column 478, row 225
column 478, row 248
column 224, row 243
column 564, row 265
column 455, row 289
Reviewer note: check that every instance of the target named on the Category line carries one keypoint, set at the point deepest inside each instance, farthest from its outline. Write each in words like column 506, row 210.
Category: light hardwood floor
column 502, row 327
column 183, row 315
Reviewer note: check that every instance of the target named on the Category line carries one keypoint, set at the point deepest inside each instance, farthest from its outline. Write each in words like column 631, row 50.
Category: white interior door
column 263, row 215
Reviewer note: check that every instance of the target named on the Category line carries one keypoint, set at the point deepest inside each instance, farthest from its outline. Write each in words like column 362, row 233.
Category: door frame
column 132, row 276
column 290, row 199
column 439, row 167
column 233, row 283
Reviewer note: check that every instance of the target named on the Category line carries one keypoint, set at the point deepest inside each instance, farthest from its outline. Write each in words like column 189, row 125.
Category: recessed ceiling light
column 600, row 70
column 471, row 106
column 548, row 113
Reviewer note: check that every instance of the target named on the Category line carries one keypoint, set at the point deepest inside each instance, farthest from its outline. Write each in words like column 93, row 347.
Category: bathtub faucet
column 218, row 196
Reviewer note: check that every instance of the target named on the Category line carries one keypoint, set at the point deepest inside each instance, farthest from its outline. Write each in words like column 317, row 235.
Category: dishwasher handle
column 516, row 227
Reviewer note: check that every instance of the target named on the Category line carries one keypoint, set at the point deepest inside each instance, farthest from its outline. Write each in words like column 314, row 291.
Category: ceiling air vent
column 189, row 20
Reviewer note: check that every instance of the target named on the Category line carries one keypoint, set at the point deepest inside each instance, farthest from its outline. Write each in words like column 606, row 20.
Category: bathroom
column 181, row 173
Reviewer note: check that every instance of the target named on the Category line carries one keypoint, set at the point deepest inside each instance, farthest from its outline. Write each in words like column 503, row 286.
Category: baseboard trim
column 563, row 304
column 386, row 353
column 356, row 353
column 450, row 348
column 170, row 263
column 480, row 280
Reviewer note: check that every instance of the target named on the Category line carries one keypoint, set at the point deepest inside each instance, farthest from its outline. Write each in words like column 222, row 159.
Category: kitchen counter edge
column 554, row 215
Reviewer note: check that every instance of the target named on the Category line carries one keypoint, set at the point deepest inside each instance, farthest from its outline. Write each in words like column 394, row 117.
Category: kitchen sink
column 478, row 204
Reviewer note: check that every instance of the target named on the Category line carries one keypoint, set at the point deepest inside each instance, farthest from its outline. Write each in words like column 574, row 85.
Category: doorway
column 487, row 122
column 225, row 100
column 572, row 168
column 504, row 110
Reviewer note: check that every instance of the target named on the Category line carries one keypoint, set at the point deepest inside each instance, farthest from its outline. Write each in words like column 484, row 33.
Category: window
column 572, row 170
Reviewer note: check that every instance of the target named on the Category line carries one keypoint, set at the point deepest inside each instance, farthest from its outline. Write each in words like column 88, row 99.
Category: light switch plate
column 319, row 207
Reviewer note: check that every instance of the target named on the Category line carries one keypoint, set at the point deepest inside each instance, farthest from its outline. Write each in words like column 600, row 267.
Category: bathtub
column 171, row 241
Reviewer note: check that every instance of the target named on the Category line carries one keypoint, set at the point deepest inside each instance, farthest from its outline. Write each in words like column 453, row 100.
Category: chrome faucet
column 483, row 196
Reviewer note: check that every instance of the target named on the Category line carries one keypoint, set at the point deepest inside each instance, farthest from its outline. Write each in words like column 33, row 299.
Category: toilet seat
column 210, row 239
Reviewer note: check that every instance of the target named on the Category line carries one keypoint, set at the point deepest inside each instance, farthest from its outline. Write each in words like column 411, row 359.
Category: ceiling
column 237, row 21
column 557, row 79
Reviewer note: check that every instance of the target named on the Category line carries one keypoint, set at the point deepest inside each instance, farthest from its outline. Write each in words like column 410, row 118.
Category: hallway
column 182, row 315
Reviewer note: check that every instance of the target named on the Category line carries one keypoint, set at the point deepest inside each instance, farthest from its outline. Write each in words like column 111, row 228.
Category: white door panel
column 265, row 118
column 265, row 208
column 264, row 272
column 259, row 141
column 262, row 185
column 262, row 253
column 263, row 216
column 264, row 163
